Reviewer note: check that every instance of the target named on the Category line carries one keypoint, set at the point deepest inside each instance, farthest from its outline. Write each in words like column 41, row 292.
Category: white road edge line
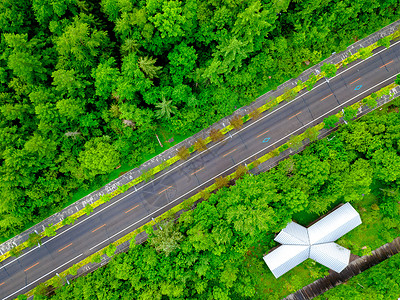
column 240, row 163
column 256, row 121
column 42, row 276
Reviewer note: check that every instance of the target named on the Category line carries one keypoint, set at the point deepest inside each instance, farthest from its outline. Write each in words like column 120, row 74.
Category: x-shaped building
column 315, row 242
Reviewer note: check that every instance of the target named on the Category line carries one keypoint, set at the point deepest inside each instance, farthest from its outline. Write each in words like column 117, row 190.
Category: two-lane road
column 136, row 207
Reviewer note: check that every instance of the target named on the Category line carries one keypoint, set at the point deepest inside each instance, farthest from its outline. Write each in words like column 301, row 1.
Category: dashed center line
column 355, row 80
column 132, row 208
column 64, row 247
column 165, row 189
column 386, row 64
column 295, row 115
column 31, row 267
column 197, row 171
column 229, row 152
column 326, row 97
column 99, row 227
column 262, row 133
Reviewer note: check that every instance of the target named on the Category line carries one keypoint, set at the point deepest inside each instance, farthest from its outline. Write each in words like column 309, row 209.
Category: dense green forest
column 215, row 250
column 84, row 86
column 381, row 282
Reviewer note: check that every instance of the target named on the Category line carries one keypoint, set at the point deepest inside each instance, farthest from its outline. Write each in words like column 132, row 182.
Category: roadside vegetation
column 84, row 88
column 215, row 250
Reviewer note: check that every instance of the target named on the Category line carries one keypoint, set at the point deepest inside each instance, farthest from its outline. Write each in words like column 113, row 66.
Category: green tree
column 397, row 80
column 312, row 133
column 111, row 250
column 384, row 42
column 34, row 239
column 170, row 20
column 166, row 238
column 311, row 82
column 295, row 142
column 73, row 270
column 349, row 113
column 99, row 157
column 146, row 64
column 370, row 101
column 96, row 258
column 15, row 252
column 88, row 209
column 289, row 94
column 331, row 121
column 80, row 44
column 70, row 220
column 50, row 230
column 106, row 76
column 365, row 52
column 329, row 69
column 165, row 108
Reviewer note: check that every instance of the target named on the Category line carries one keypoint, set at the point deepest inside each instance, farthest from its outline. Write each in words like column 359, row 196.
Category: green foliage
column 15, row 252
column 235, row 227
column 166, row 238
column 111, row 250
column 96, row 258
column 331, row 121
column 70, row 220
column 165, row 108
column 34, row 239
column 379, row 282
column 50, row 230
column 312, row 134
column 289, row 94
column 370, row 101
column 365, row 52
column 349, row 113
column 384, row 42
column 79, row 83
column 329, row 69
column 295, row 142
column 148, row 175
column 146, row 64
column 397, row 80
column 312, row 80
column 73, row 270
column 88, row 209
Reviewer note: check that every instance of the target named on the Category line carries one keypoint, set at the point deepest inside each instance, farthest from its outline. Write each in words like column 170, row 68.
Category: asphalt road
column 126, row 212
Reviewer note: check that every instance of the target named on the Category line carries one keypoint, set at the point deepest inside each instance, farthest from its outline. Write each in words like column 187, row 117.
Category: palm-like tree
column 146, row 64
column 165, row 108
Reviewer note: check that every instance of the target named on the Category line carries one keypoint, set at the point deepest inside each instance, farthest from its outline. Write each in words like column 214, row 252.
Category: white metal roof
column 334, row 225
column 293, row 234
column 286, row 257
column 315, row 242
column 331, row 255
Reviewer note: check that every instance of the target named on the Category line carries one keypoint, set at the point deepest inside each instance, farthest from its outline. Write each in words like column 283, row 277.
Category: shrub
column 216, row 135
column 183, row 153
column 237, row 122
column 221, row 182
column 200, row 144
